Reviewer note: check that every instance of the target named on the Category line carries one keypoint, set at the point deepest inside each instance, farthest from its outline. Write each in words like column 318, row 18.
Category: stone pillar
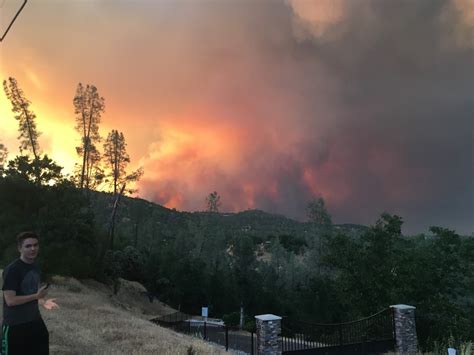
column 268, row 334
column 405, row 329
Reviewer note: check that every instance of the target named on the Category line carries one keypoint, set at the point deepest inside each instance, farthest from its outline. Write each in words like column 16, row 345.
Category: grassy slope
column 93, row 321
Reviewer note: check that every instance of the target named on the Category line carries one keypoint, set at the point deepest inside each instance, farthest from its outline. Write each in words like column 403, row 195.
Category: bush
column 232, row 319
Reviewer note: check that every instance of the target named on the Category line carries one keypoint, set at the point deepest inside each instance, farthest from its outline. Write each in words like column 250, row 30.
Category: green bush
column 232, row 319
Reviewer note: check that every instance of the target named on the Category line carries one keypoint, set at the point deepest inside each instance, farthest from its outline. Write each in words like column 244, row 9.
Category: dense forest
column 314, row 271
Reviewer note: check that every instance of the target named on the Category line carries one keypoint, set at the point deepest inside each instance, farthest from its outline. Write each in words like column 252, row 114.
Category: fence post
column 405, row 329
column 251, row 343
column 226, row 338
column 268, row 334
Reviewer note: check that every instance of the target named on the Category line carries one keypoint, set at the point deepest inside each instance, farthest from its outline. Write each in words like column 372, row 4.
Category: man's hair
column 20, row 238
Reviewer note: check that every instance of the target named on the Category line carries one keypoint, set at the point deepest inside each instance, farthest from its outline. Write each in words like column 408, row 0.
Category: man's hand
column 42, row 292
column 50, row 304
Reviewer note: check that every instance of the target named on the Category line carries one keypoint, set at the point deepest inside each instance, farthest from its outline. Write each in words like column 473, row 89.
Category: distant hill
column 138, row 219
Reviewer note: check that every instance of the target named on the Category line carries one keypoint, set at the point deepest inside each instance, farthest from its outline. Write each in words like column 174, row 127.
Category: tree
column 3, row 157
column 117, row 158
column 26, row 118
column 60, row 214
column 39, row 169
column 319, row 215
column 94, row 173
column 88, row 107
column 128, row 263
column 244, row 267
column 317, row 212
column 44, row 170
column 213, row 202
column 364, row 269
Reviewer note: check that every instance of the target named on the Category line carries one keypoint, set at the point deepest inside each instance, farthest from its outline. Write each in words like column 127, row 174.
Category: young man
column 23, row 329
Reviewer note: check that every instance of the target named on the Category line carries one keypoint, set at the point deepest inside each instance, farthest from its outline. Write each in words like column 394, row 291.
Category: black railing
column 228, row 337
column 376, row 330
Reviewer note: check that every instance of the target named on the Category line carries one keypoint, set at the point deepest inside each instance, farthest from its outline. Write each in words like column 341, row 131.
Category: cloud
column 351, row 103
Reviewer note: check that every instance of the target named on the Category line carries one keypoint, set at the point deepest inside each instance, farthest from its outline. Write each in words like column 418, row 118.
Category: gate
column 371, row 335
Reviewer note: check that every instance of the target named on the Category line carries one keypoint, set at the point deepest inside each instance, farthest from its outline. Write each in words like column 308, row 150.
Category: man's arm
column 13, row 300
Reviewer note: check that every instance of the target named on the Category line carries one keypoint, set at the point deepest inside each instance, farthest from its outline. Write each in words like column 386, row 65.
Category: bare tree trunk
column 112, row 217
column 83, row 162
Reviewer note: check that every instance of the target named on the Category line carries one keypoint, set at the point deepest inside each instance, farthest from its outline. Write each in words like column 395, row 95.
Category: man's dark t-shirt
column 25, row 280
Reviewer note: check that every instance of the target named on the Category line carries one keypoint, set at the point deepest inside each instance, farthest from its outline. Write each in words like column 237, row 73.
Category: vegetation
column 3, row 156
column 88, row 107
column 116, row 158
column 26, row 118
column 317, row 212
column 213, row 202
column 314, row 271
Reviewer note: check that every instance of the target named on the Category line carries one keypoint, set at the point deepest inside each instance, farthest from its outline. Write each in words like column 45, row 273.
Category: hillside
column 139, row 221
column 91, row 320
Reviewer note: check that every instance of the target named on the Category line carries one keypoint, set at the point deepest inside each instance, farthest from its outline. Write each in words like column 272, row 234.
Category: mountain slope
column 140, row 221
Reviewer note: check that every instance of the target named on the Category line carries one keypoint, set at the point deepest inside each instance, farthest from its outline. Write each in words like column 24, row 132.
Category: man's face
column 29, row 249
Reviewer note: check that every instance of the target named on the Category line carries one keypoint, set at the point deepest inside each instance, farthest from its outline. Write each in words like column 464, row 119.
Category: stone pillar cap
column 267, row 317
column 402, row 306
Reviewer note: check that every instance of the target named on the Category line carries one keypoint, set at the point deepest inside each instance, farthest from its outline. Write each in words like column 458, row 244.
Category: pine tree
column 88, row 107
column 26, row 118
column 116, row 158
column 213, row 202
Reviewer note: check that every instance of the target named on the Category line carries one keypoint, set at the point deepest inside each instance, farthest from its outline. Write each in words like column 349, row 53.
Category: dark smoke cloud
column 380, row 107
column 406, row 87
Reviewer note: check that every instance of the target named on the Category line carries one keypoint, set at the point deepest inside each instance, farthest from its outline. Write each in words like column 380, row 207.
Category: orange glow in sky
column 269, row 103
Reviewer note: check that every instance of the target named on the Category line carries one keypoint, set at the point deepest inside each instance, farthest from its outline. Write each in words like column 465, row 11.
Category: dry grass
column 91, row 320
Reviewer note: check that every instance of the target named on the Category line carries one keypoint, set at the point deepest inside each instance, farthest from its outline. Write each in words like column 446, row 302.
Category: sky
column 271, row 103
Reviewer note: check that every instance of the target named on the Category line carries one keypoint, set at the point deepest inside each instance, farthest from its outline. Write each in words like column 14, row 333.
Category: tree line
column 95, row 168
column 106, row 170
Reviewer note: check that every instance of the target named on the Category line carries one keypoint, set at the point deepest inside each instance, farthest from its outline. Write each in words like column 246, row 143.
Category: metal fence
column 216, row 332
column 374, row 333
